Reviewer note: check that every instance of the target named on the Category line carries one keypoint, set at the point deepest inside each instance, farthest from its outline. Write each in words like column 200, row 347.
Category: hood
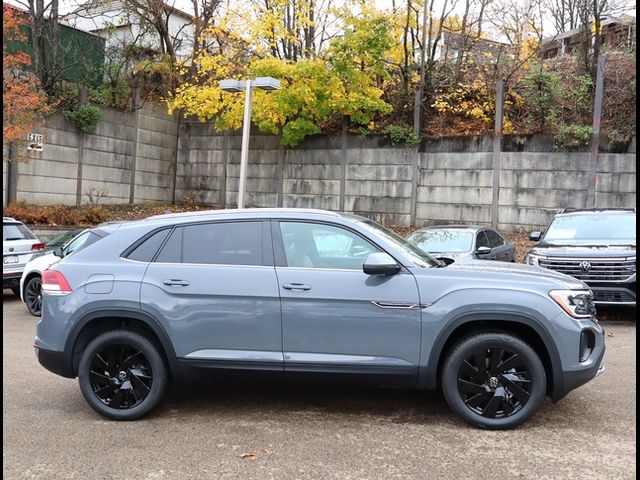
column 42, row 262
column 490, row 274
column 552, row 250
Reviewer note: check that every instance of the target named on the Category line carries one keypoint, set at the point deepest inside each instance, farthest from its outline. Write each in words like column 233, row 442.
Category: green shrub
column 573, row 135
column 85, row 117
column 403, row 134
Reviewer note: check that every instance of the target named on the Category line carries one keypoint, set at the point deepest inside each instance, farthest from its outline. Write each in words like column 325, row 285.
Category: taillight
column 37, row 246
column 54, row 282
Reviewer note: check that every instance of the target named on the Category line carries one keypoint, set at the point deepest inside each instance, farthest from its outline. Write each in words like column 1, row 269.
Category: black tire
column 33, row 296
column 16, row 291
column 124, row 367
column 493, row 380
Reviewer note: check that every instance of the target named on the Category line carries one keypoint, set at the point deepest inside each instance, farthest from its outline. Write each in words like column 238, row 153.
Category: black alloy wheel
column 33, row 296
column 493, row 380
column 122, row 375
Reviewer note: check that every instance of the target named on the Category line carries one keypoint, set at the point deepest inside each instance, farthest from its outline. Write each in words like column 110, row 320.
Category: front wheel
column 493, row 380
column 122, row 375
column 33, row 296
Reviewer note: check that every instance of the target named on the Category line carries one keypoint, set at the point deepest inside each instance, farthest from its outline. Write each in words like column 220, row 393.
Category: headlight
column 577, row 303
column 531, row 259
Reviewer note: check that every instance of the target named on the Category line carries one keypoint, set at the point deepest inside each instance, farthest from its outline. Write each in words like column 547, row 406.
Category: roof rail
column 596, row 209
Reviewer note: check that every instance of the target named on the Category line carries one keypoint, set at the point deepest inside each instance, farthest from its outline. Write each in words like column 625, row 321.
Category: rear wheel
column 33, row 296
column 122, row 375
column 493, row 380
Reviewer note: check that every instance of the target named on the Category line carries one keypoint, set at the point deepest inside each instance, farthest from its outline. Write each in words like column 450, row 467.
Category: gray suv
column 314, row 295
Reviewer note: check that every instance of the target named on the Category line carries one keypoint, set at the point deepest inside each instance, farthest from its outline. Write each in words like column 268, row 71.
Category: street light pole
column 244, row 154
column 232, row 85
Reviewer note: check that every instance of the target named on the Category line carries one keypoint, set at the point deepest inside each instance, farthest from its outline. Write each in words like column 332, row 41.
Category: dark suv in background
column 597, row 246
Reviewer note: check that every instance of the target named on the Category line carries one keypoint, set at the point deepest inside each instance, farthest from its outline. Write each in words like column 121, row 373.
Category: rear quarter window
column 146, row 251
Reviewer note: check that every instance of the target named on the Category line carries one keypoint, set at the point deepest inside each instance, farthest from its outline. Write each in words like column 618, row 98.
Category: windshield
column 593, row 229
column 16, row 231
column 419, row 257
column 443, row 240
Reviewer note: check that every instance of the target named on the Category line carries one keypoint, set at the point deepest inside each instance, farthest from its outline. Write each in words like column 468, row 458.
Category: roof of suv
column 248, row 211
column 461, row 227
column 596, row 210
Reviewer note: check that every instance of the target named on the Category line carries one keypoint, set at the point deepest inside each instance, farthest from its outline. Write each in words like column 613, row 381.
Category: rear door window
column 224, row 243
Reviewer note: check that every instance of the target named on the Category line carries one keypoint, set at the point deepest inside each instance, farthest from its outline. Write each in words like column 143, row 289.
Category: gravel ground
column 49, row 432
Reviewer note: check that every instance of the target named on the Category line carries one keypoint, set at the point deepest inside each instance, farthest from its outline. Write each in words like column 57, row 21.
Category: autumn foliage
column 23, row 102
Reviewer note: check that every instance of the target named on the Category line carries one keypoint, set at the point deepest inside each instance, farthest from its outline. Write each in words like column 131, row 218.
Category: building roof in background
column 622, row 19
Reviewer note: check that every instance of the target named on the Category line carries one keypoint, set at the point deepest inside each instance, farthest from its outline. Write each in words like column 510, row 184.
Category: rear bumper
column 11, row 279
column 54, row 362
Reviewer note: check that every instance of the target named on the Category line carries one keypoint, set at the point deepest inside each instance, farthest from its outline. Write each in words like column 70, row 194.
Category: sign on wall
column 35, row 141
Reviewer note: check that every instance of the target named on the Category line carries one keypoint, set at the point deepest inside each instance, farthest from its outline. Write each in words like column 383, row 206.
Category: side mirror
column 483, row 251
column 59, row 252
column 380, row 263
column 535, row 236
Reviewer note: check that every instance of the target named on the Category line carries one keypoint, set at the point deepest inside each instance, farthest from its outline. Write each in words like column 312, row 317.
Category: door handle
column 296, row 286
column 176, row 283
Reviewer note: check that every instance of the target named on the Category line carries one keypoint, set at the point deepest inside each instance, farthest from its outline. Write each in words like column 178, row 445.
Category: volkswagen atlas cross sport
column 314, row 295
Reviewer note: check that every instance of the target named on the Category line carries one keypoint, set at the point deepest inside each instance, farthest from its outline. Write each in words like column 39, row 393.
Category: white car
column 31, row 280
column 18, row 247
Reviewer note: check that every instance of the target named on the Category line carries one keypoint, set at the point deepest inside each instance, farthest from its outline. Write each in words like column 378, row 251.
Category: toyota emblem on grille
column 585, row 266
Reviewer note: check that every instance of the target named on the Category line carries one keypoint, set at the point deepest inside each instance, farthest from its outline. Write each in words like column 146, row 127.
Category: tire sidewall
column 158, row 368
column 493, row 340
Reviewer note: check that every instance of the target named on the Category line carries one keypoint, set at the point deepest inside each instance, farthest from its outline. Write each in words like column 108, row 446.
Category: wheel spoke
column 99, row 379
column 492, row 407
column 136, row 381
column 511, row 362
column 105, row 363
column 507, row 407
column 480, row 357
column 494, row 360
column 117, row 399
column 129, row 360
column 479, row 399
column 105, row 391
column 469, row 370
column 466, row 386
column 520, row 393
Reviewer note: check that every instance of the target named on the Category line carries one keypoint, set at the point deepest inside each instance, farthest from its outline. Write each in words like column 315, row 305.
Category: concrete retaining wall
column 148, row 156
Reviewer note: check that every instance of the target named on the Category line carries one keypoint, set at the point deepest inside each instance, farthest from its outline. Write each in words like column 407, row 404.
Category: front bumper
column 613, row 294
column 577, row 378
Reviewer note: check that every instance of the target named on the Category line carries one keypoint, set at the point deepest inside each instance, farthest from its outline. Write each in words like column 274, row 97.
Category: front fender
column 457, row 308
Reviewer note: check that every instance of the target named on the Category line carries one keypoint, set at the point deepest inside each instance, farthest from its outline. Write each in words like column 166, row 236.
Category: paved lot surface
column 49, row 432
